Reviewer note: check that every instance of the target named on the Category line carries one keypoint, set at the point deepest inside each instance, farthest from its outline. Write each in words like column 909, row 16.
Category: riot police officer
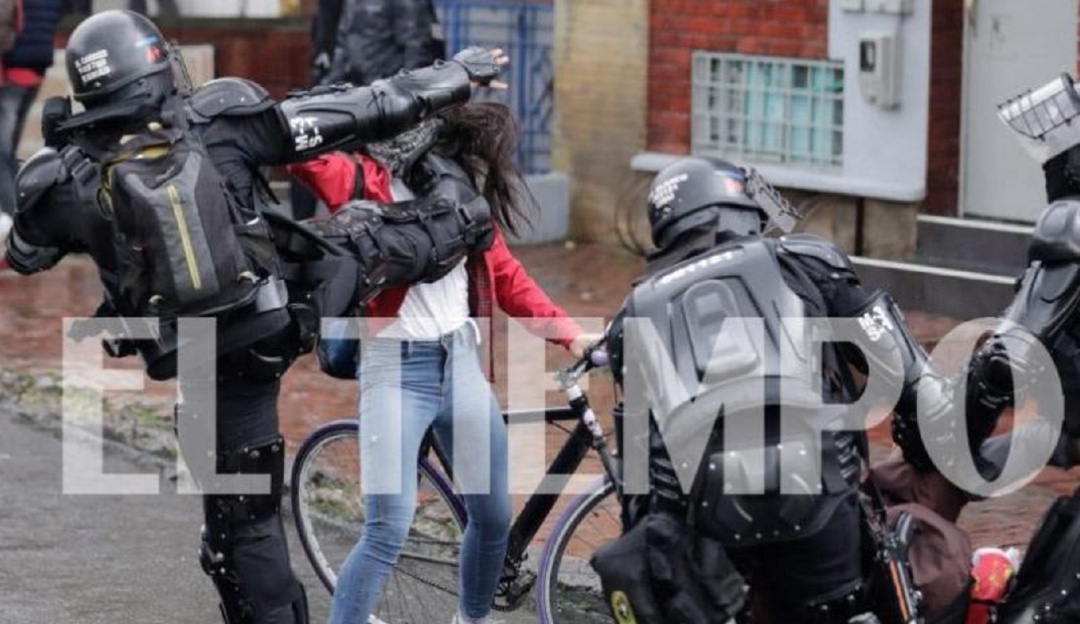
column 1044, row 310
column 127, row 77
column 713, row 268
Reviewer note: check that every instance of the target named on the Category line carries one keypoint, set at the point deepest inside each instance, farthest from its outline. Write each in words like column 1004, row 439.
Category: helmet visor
column 1043, row 119
column 782, row 215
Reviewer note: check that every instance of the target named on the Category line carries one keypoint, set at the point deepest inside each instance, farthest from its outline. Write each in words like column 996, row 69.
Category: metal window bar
column 525, row 29
column 768, row 109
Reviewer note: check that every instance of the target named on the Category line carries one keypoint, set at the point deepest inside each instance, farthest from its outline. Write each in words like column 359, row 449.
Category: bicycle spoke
column 330, row 518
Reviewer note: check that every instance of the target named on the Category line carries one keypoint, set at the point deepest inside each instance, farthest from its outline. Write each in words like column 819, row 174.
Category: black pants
column 247, row 530
column 247, row 410
column 15, row 102
column 788, row 576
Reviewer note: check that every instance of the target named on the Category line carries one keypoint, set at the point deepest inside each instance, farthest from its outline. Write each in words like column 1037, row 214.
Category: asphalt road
column 109, row 559
column 81, row 559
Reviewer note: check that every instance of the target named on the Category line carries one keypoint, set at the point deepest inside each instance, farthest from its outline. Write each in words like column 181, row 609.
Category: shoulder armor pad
column 229, row 97
column 1057, row 233
column 43, row 171
column 821, row 249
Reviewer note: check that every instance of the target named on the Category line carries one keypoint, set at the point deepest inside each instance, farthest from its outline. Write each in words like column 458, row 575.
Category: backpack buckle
column 272, row 295
column 79, row 164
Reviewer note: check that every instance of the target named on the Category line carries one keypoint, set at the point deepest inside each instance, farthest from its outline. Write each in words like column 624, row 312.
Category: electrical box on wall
column 886, row 95
column 890, row 7
column 879, row 73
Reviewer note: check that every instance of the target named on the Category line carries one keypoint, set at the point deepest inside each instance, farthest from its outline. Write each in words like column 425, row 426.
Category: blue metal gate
column 525, row 30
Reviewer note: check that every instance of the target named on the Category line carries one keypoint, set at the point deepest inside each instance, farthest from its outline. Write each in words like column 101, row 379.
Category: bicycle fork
column 587, row 435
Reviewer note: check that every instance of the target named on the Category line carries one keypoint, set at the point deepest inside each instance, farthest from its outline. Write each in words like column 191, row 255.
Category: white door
column 1009, row 46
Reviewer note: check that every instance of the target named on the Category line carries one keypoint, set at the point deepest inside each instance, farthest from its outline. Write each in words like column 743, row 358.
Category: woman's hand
column 582, row 342
column 483, row 65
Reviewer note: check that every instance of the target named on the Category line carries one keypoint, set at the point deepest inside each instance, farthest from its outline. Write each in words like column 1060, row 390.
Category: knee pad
column 261, row 459
column 244, row 550
column 214, row 559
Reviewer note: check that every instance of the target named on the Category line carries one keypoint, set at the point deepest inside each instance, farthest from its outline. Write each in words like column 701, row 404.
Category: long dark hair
column 483, row 138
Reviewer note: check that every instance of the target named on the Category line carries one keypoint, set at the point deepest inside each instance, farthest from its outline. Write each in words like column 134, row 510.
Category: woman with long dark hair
column 422, row 368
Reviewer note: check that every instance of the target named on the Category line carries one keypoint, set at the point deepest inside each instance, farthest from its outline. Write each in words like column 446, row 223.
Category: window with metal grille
column 525, row 29
column 770, row 110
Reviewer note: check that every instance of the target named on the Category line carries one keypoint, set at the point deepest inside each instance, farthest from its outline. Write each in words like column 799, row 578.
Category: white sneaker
column 460, row 618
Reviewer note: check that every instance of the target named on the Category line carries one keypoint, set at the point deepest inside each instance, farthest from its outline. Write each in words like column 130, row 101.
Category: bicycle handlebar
column 598, row 356
column 595, row 356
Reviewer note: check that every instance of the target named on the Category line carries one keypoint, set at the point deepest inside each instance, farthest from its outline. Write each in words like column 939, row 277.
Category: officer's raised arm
column 341, row 117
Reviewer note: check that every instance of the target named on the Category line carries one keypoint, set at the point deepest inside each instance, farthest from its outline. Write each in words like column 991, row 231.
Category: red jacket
column 495, row 276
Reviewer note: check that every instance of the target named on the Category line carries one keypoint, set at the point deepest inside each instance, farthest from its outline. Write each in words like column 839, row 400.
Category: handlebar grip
column 598, row 356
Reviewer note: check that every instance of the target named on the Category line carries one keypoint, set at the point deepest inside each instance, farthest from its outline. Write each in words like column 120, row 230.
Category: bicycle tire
column 329, row 519
column 568, row 590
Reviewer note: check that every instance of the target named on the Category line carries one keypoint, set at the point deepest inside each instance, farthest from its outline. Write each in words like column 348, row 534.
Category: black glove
column 479, row 64
column 320, row 67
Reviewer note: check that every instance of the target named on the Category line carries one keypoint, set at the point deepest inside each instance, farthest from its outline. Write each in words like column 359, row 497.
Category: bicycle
column 328, row 508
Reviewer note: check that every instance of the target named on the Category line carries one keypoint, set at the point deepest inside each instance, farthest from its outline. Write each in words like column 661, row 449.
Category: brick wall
column 946, row 80
column 272, row 52
column 275, row 56
column 601, row 57
column 792, row 28
column 797, row 28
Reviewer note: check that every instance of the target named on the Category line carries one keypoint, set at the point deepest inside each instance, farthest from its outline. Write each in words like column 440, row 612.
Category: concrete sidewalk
column 92, row 559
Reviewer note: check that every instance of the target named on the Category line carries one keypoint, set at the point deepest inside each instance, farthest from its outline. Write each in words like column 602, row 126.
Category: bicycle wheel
column 329, row 516
column 568, row 590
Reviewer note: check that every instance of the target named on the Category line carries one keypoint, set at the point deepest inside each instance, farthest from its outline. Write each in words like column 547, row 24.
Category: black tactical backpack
column 184, row 244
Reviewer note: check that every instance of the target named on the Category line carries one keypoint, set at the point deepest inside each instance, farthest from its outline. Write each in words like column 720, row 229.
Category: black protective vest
column 727, row 324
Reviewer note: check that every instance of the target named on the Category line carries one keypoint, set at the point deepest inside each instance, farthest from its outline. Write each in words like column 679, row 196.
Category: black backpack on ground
column 662, row 571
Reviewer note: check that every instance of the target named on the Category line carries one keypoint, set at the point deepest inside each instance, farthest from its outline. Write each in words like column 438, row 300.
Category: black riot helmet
column 697, row 191
column 119, row 61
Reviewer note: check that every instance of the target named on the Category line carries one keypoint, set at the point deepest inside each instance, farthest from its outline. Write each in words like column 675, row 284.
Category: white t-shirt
column 430, row 310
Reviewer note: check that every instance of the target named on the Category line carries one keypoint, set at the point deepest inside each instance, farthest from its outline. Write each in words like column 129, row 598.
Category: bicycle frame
column 538, row 506
column 587, row 435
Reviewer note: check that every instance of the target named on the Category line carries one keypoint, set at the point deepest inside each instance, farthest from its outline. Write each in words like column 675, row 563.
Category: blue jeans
column 407, row 387
column 15, row 102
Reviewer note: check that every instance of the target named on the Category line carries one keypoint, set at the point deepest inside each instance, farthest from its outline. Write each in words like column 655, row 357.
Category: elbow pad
column 1002, row 366
column 37, row 177
column 932, row 416
column 925, row 409
column 25, row 258
column 40, row 185
column 342, row 117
